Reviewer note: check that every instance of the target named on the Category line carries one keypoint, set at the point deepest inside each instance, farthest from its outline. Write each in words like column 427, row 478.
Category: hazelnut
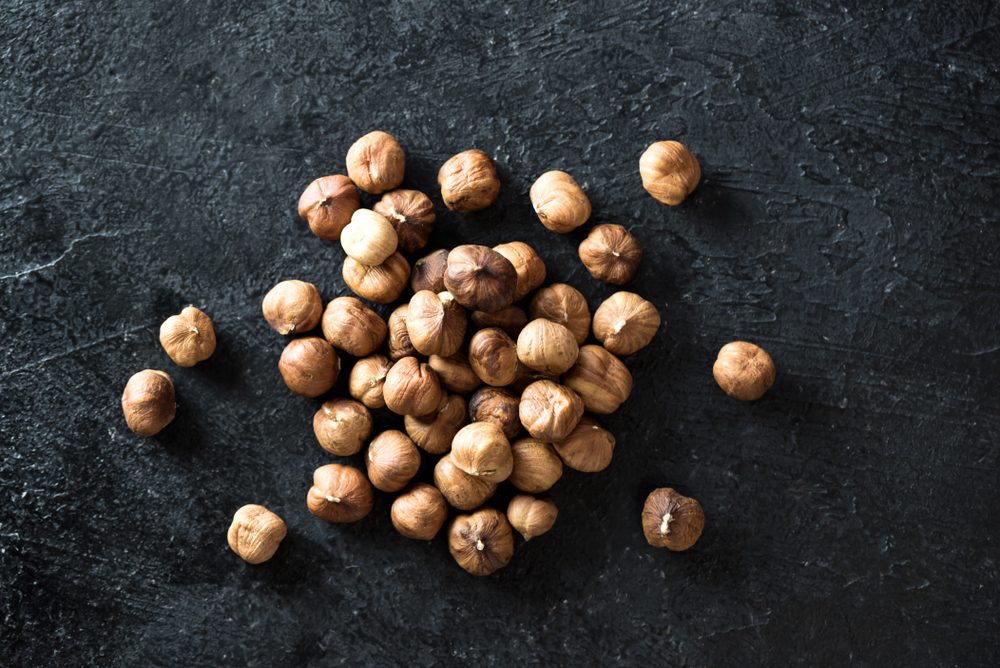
column 455, row 373
column 560, row 203
column 625, row 323
column 367, row 380
column 468, row 181
column 481, row 449
column 547, row 346
column 369, row 238
column 499, row 407
column 148, row 402
column 511, row 319
column 537, row 466
column 327, row 204
column 744, row 370
column 292, row 307
column 611, row 254
column 309, row 366
column 256, row 533
column 480, row 278
column 436, row 323
column 482, row 542
column 549, row 411
column 399, row 343
column 672, row 520
column 463, row 491
column 565, row 305
column 493, row 356
column 382, row 283
column 669, row 172
column 412, row 388
column 339, row 494
column 528, row 266
column 419, row 512
column 588, row 448
column 376, row 162
column 435, row 433
column 412, row 215
column 428, row 272
column 188, row 337
column 393, row 460
column 601, row 380
column 531, row 516
column 353, row 327
column 342, row 426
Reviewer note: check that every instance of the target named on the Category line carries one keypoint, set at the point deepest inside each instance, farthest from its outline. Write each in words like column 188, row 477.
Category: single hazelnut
column 188, row 337
column 393, row 460
column 611, row 254
column 327, row 204
column 588, row 448
column 292, row 307
column 672, row 520
column 342, row 426
column 419, row 512
column 256, row 533
column 531, row 516
column 744, row 370
column 537, row 466
column 625, row 323
column 399, row 343
column 481, row 449
column 468, row 181
column 455, row 372
column 559, row 201
column 339, row 494
column 376, row 162
column 436, row 323
column 309, row 366
column 547, row 346
column 601, row 380
column 382, row 283
column 351, row 326
column 369, row 238
column 482, row 542
column 528, row 266
column 497, row 406
column 565, row 305
column 412, row 388
column 428, row 272
column 669, row 172
column 549, row 411
column 463, row 491
column 412, row 215
column 148, row 402
column 480, row 278
column 493, row 357
column 435, row 433
column 511, row 319
column 367, row 380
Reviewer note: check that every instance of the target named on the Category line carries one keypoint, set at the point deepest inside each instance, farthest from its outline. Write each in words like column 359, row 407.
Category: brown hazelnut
column 148, row 402
column 436, row 323
column 537, row 466
column 419, row 512
column 547, row 346
column 565, row 305
column 482, row 542
column 528, row 266
column 625, row 323
column 611, row 254
column 399, row 343
column 468, row 181
column 376, row 162
column 588, row 448
column 531, row 516
column 669, row 172
column 342, row 426
column 412, row 388
column 455, row 373
column 434, row 434
column 393, row 460
column 559, row 201
column 499, row 407
column 381, row 284
column 549, row 411
column 480, row 278
column 327, row 204
column 744, row 370
column 672, row 520
column 493, row 357
column 256, row 533
column 292, row 307
column 480, row 449
column 412, row 215
column 511, row 319
column 601, row 380
column 369, row 238
column 367, row 380
column 463, row 491
column 428, row 272
column 309, row 366
column 351, row 326
column 339, row 494
column 188, row 337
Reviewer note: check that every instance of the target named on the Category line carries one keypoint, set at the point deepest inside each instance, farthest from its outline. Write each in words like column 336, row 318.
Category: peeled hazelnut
column 309, row 366
column 351, row 326
column 537, row 466
column 481, row 449
column 672, row 520
column 511, row 319
column 342, row 426
column 482, row 542
column 369, row 238
column 463, row 491
column 744, row 370
column 327, row 204
column 428, row 272
column 531, row 516
column 367, row 380
column 601, row 380
column 588, row 448
column 468, row 181
column 382, row 283
column 565, row 305
column 480, row 278
column 499, row 407
column 436, row 323
column 412, row 215
column 339, row 494
column 625, row 323
column 669, row 172
column 611, row 254
column 547, row 346
column 559, row 201
column 493, row 357
column 549, row 411
column 256, row 533
column 434, row 434
column 376, row 162
column 455, row 373
column 393, row 460
column 399, row 343
column 292, row 307
column 188, row 337
column 148, row 402
column 412, row 388
column 419, row 512
column 528, row 266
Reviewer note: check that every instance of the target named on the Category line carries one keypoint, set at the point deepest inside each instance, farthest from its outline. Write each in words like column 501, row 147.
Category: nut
column 309, row 366
column 353, row 327
column 482, row 542
column 148, row 402
column 292, row 307
column 412, row 388
column 342, row 426
column 672, row 520
column 436, row 323
column 481, row 450
column 369, row 238
column 565, row 305
column 455, row 373
column 327, row 204
column 399, row 343
column 435, row 434
column 588, row 448
column 367, row 380
column 381, row 284
column 560, row 203
column 412, row 215
column 511, row 319
column 744, row 370
column 537, row 466
column 611, row 254
column 499, row 407
column 339, row 494
column 393, row 460
column 468, row 181
column 419, row 512
column 256, row 533
column 188, row 337
column 463, row 491
column 531, row 516
column 549, row 411
column 625, row 323
column 601, row 380
column 493, row 357
column 428, row 272
column 528, row 266
column 376, row 162
column 669, row 172
column 480, row 278
column 547, row 346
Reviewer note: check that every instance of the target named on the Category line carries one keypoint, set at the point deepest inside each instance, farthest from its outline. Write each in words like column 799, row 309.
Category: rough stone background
column 152, row 154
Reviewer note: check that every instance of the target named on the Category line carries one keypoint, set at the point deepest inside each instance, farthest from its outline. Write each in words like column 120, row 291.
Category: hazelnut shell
column 327, row 204
column 412, row 388
column 559, row 202
column 537, row 466
column 672, row 520
column 611, row 254
column 376, row 162
column 625, row 323
column 399, row 343
column 480, row 278
column 468, row 181
column 351, row 326
column 463, row 491
column 588, row 448
column 482, row 542
column 528, row 266
column 531, row 516
column 369, row 238
column 428, row 272
column 455, row 373
column 419, row 512
column 188, row 337
column 382, row 283
column 392, row 461
column 292, row 307
column 411, row 213
column 565, row 305
column 148, row 402
column 744, row 370
column 256, row 533
column 309, row 366
column 549, row 411
column 436, row 323
column 481, row 450
column 434, row 434
column 497, row 406
column 342, row 426
column 493, row 357
column 339, row 494
column 669, row 172
column 547, row 347
column 601, row 380
column 367, row 380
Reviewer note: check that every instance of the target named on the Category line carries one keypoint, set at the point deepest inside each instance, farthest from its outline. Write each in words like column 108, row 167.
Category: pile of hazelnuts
column 490, row 369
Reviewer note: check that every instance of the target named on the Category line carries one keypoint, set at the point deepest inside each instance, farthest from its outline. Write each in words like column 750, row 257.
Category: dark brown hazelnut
column 148, row 402
column 327, row 204
column 480, row 278
column 428, row 272
column 309, row 366
column 382, row 283
column 672, row 520
column 376, row 162
column 455, row 372
column 292, row 307
column 412, row 214
column 419, row 512
column 491, row 404
column 565, row 305
column 511, row 320
column 744, row 370
column 188, row 338
column 392, row 460
column 412, row 388
column 611, row 254
column 547, row 346
column 342, row 426
column 436, row 323
column 625, row 323
column 493, row 357
column 435, row 433
column 463, row 491
column 482, row 542
column 399, row 343
column 480, row 449
column 528, row 266
column 537, row 466
column 549, row 411
column 669, row 172
column 468, row 181
column 559, row 201
column 339, row 494
column 601, row 380
column 351, row 326
column 531, row 516
column 256, row 533
column 367, row 380
column 588, row 448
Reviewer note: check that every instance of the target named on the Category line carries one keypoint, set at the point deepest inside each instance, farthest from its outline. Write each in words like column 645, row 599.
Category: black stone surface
column 152, row 154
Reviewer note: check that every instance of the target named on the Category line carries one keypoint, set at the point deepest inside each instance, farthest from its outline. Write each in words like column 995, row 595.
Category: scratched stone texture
column 152, row 154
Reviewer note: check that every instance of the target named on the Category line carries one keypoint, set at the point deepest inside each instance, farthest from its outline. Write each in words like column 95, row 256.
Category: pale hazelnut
column 549, row 411
column 256, row 533
column 481, row 449
column 455, row 373
column 436, row 323
column 339, row 494
column 537, row 466
column 588, row 448
column 672, row 520
column 399, row 343
column 480, row 278
column 382, row 283
column 148, row 402
column 744, row 370
column 625, row 323
column 611, row 254
column 511, row 319
column 468, row 181
column 412, row 388
column 531, row 516
column 601, row 380
column 309, row 366
column 463, row 491
column 547, row 346
column 188, row 337
column 493, row 357
column 565, row 305
column 369, row 238
column 292, row 307
column 419, row 512
column 435, row 433
column 376, row 162
column 367, row 380
column 392, row 460
column 351, row 326
column 496, row 406
column 428, row 272
column 412, row 215
column 327, row 204
column 342, row 426
column 669, row 172
column 481, row 543
column 528, row 266
column 559, row 201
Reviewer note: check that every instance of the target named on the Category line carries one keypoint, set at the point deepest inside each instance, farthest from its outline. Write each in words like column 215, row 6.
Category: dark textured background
column 152, row 156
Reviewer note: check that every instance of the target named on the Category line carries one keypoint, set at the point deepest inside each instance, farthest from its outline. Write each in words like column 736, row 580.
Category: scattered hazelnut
column 463, row 491
column 481, row 449
column 744, row 370
column 511, row 319
column 601, row 380
column 482, row 542
column 549, row 411
column 547, row 346
column 309, row 366
column 625, row 323
column 399, row 343
column 480, row 278
column 493, row 357
column 436, row 323
column 188, row 337
column 672, row 520
column 376, row 162
column 369, row 238
column 342, row 426
column 455, row 373
column 148, row 402
column 292, row 307
column 669, row 172
column 611, row 254
column 559, row 201
column 565, row 305
column 327, row 204
column 500, row 407
column 588, row 448
column 412, row 388
column 419, row 512
column 531, row 516
column 256, row 533
column 339, row 494
column 351, row 326
column 412, row 215
column 528, row 266
column 428, row 272
column 435, row 433
column 367, row 380
column 468, row 181
column 537, row 466
column 381, row 284
column 393, row 460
